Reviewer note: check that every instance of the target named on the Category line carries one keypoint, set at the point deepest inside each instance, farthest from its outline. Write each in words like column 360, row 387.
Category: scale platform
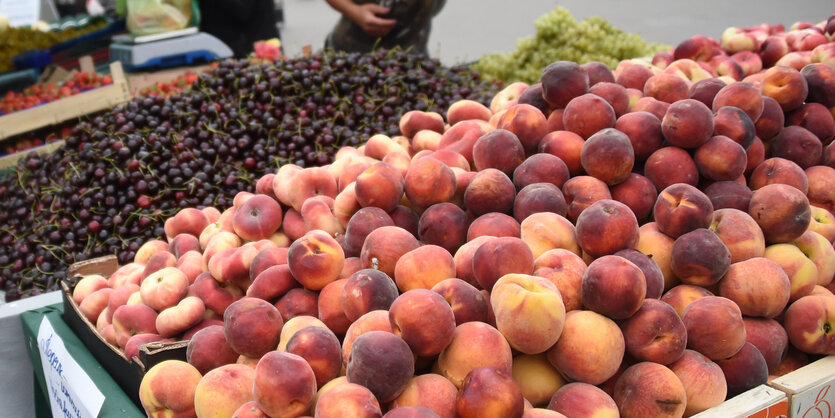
column 169, row 49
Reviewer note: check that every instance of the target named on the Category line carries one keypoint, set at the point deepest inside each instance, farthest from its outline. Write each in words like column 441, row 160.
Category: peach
column 605, row 227
column 797, row 144
column 129, row 320
column 384, row 246
column 266, row 258
column 223, row 390
column 117, row 298
column 252, row 326
column 463, row 259
column 508, row 96
column 138, row 340
column 188, row 220
column 347, row 399
column 580, row 192
column 739, row 232
column 671, row 165
column 554, row 122
column 371, row 321
column 705, row 90
column 681, row 296
column 191, row 264
column 361, row 224
column 721, row 158
column 416, row 120
column 499, row 256
column 821, row 187
column 216, row 298
column 467, row 109
column 729, row 195
column 758, row 286
column 772, row 119
column 529, row 312
column 563, row 81
column 283, row 384
column 644, row 132
column 444, row 225
column 801, row 271
column 541, row 168
column 367, row 290
column 778, row 170
column 87, row 285
column 429, row 181
column 489, row 391
column 411, row 412
column 638, row 193
column 658, row 246
column 425, row 140
column 494, row 224
column 577, row 358
column 751, row 62
column 652, row 272
column 320, row 348
column 431, row 391
column 297, row 302
column 682, row 208
column 489, row 191
column 406, row 218
column 272, row 283
column 655, row 333
column 281, row 182
column 823, row 222
column 258, row 218
column 95, row 303
column 179, row 318
column 382, row 362
column 461, row 356
column 534, row 198
column 667, row 87
column 583, row 400
column 499, row 149
column 743, row 95
column 613, row 286
column 232, row 264
column 164, row 288
column 699, row 257
column 702, row 318
column 565, row 269
column 293, row 224
column 770, row 338
column 148, row 249
column 820, row 251
column 786, row 85
column 537, row 378
column 816, row 118
column 703, row 381
column 317, row 214
column 781, row 211
column 465, row 300
column 309, row 182
column 294, row 325
column 567, row 146
column 526, row 122
column 168, row 388
column 744, row 370
column 649, row 389
column 819, row 78
column 205, row 323
column 207, row 349
column 329, row 306
column 633, row 76
column 424, row 320
column 608, row 156
column 725, row 66
column 688, row 123
column 614, row 94
column 651, row 105
column 127, row 273
column 380, row 185
column 379, row 146
column 772, row 49
column 587, row 114
column 598, row 72
column 460, row 139
column 809, row 323
column 344, row 206
column 315, row 259
column 157, row 262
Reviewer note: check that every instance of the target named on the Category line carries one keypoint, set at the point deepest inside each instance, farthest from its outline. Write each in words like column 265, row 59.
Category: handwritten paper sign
column 72, row 394
column 21, row 12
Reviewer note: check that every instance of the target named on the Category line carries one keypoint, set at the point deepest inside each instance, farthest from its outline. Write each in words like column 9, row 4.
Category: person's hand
column 367, row 17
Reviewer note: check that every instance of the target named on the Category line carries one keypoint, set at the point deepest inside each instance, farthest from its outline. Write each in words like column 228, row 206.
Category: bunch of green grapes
column 559, row 36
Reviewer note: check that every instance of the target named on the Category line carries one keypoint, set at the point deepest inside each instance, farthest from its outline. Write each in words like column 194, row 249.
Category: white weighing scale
column 169, row 49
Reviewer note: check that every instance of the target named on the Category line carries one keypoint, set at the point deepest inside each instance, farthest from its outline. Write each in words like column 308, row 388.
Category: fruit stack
column 644, row 241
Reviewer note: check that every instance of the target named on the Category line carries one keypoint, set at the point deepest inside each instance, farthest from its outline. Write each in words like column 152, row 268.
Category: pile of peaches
column 640, row 242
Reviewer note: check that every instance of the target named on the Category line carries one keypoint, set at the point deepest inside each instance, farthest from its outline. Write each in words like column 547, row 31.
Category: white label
column 21, row 12
column 72, row 394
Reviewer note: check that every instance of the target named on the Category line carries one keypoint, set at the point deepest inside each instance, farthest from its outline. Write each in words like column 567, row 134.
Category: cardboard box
column 126, row 372
column 810, row 389
column 760, row 402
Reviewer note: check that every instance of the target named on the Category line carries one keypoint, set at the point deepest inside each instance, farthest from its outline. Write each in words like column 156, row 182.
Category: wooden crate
column 810, row 389
column 68, row 108
column 760, row 402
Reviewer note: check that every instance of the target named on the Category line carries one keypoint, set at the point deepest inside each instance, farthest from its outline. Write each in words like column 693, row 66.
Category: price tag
column 72, row 394
column 21, row 12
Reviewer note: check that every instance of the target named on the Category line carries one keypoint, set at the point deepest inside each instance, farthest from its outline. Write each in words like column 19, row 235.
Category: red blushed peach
column 681, row 296
column 652, row 272
column 728, row 195
column 376, row 354
column 770, row 338
column 466, row 302
column 809, row 322
column 117, row 298
column 309, row 182
column 168, row 388
column 384, row 246
column 636, row 192
column 380, row 185
column 655, row 333
column 802, row 272
column 529, row 312
column 189, row 220
column 179, row 318
column 497, row 257
column 682, row 208
column 467, row 109
column 281, row 182
column 321, row 349
column 567, row 146
column 580, row 192
column 584, row 400
column 406, row 218
column 608, row 156
column 703, row 381
column 371, row 321
column 490, row 191
column 344, row 206
column 554, row 122
column 318, row 214
column 688, row 123
column 445, row 225
column 191, row 264
column 613, row 286
column 598, row 72
column 667, row 87
column 537, row 378
column 283, row 384
column 705, row 334
column 821, row 187
column 785, row 85
column 819, row 78
column 201, row 325
column 361, row 224
column 95, row 303
column 425, row 140
column 633, row 76
column 725, row 66
column 700, row 258
column 507, row 97
column 615, row 94
column 743, row 95
column 129, row 320
column 778, row 170
column 586, row 114
column 649, row 389
column 720, row 159
column 87, row 285
column 233, row 381
column 818, row 249
column 346, row 399
column 272, row 283
column 739, row 232
column 525, row 121
column 128, row 273
column 705, row 90
column 315, row 259
column 157, row 262
column 489, row 392
column 772, row 119
column 207, row 349
column 297, row 302
column 816, row 118
column 183, row 243
column 461, row 356
column 658, row 246
column 461, row 137
column 494, row 224
column 690, row 71
column 424, row 320
column 538, row 197
column 416, row 120
column 423, row 267
column 430, row 391
column 671, row 165
column 755, row 155
column 293, row 225
column 797, row 144
column 164, row 288
column 605, row 227
column 541, row 168
column 330, row 307
column 252, row 326
column 750, row 62
column 463, row 259
column 644, row 132
column 258, row 218
column 215, row 297
column 429, row 181
column 294, row 325
column 781, row 211
column 133, row 344
column 744, row 370
column 565, row 269
column 367, row 290
column 462, row 180
column 772, row 49
column 649, row 104
column 499, row 149
column 563, row 81
column 823, row 222
column 577, row 358
column 758, row 286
